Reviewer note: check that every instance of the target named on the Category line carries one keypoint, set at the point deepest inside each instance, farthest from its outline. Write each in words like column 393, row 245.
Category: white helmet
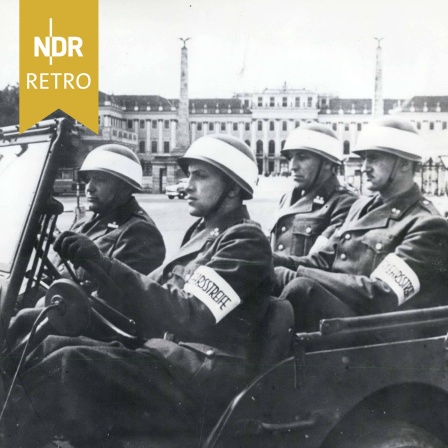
column 315, row 138
column 118, row 161
column 392, row 135
column 230, row 155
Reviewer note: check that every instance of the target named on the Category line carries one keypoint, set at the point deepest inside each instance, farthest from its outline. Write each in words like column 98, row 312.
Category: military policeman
column 391, row 252
column 207, row 301
column 118, row 225
column 318, row 204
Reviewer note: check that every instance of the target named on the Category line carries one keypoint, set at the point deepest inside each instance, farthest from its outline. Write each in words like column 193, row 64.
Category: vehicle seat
column 273, row 339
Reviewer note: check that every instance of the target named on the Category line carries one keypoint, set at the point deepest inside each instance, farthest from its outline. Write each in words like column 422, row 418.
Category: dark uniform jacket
column 312, row 218
column 393, row 256
column 127, row 234
column 209, row 297
column 178, row 297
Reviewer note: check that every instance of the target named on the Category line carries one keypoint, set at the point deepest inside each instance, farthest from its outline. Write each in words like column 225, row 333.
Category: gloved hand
column 77, row 248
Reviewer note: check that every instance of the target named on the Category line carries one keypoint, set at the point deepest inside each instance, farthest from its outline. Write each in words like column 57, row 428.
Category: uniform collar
column 315, row 198
column 394, row 209
column 211, row 231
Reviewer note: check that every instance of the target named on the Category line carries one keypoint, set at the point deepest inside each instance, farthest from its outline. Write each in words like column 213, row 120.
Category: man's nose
column 189, row 186
column 365, row 166
column 90, row 186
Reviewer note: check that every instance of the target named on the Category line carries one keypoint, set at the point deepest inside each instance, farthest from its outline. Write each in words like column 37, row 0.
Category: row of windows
column 347, row 126
column 120, row 134
column 166, row 125
column 211, row 126
column 130, row 124
column 271, row 147
column 259, row 147
column 359, row 126
column 117, row 122
column 431, row 125
column 166, row 146
column 297, row 102
column 154, row 147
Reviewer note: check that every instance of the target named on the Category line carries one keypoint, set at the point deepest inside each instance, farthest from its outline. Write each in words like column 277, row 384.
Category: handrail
column 396, row 318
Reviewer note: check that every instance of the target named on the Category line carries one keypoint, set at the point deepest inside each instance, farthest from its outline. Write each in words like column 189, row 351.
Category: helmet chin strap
column 221, row 199
column 393, row 172
column 317, row 175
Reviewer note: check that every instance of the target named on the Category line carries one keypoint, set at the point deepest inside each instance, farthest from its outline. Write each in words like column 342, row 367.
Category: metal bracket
column 299, row 351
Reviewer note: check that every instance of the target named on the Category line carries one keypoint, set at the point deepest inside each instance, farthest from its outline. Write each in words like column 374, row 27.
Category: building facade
column 148, row 125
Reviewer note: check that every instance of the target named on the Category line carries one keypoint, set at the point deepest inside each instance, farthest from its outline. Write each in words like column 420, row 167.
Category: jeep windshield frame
column 28, row 168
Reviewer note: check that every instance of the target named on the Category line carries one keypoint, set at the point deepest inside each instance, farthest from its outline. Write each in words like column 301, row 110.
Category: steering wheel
column 71, row 317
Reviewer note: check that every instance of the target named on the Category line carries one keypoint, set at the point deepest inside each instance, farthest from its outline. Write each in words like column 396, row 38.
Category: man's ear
column 234, row 191
column 405, row 165
column 329, row 166
column 125, row 189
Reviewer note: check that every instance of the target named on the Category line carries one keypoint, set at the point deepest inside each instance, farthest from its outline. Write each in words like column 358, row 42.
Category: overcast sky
column 248, row 45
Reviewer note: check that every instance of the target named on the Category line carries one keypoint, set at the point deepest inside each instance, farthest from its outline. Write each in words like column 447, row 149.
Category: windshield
column 20, row 170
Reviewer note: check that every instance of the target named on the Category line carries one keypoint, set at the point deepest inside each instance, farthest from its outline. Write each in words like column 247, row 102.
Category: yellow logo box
column 58, row 61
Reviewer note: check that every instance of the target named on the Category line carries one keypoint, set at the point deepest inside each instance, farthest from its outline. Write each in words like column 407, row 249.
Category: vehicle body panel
column 276, row 411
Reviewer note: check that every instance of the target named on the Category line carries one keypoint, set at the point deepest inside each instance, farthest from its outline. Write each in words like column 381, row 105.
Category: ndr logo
column 57, row 46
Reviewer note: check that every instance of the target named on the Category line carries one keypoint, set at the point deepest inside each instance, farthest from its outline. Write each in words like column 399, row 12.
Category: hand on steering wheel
column 82, row 251
column 77, row 248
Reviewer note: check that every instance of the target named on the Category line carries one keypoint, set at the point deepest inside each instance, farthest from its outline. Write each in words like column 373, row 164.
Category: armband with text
column 213, row 291
column 403, row 281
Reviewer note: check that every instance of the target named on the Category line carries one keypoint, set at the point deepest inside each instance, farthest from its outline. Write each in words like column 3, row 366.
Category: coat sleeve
column 141, row 247
column 419, row 263
column 240, row 262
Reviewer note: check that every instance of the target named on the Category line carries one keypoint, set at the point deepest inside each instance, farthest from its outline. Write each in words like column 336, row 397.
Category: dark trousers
column 89, row 390
column 310, row 300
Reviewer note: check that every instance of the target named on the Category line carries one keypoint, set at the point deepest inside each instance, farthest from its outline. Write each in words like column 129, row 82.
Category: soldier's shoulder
column 245, row 228
column 140, row 214
column 428, row 206
column 249, row 223
column 343, row 193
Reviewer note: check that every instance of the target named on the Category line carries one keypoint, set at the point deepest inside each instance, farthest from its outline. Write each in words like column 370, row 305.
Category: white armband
column 320, row 242
column 213, row 291
column 403, row 281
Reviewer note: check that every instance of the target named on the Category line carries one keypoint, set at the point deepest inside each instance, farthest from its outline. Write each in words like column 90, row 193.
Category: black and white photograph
column 252, row 251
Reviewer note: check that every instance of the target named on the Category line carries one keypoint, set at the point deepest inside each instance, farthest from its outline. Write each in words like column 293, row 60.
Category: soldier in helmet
column 211, row 296
column 391, row 252
column 318, row 204
column 117, row 224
